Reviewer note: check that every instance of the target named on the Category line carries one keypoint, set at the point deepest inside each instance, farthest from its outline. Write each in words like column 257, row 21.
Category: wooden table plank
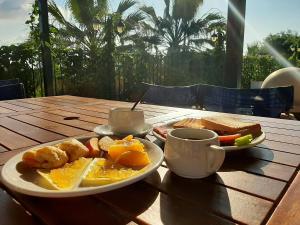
column 273, row 156
column 50, row 126
column 61, row 119
column 259, row 186
column 13, row 213
column 38, row 103
column 29, row 131
column 95, row 108
column 216, row 199
column 11, row 140
column 13, row 107
column 280, row 146
column 75, row 98
column 288, row 210
column 156, row 207
column 26, row 105
column 260, row 167
column 81, row 117
column 75, row 211
column 86, row 112
column 3, row 149
column 5, row 110
column 5, row 156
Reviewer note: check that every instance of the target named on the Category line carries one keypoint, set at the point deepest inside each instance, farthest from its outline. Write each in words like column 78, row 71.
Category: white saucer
column 105, row 130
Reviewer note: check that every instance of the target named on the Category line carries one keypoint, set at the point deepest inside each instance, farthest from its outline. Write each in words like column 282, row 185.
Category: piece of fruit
column 66, row 177
column 103, row 171
column 244, row 140
column 133, row 159
column 128, row 138
column 117, row 149
column 92, row 145
column 105, row 143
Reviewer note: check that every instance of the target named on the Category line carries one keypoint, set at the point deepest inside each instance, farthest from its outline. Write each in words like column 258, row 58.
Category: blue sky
column 263, row 16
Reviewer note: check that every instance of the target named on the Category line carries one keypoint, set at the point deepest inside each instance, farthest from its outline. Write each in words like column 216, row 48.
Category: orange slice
column 116, row 150
column 133, row 159
column 103, row 171
column 66, row 177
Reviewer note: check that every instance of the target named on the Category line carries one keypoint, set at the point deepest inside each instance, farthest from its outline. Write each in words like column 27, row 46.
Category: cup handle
column 212, row 157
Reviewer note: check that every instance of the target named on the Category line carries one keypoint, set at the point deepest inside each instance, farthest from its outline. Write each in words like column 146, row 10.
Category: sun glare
column 279, row 58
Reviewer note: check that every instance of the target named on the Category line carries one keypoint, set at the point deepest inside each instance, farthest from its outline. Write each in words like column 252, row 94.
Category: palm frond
column 82, row 11
column 150, row 12
column 134, row 18
column 101, row 8
column 56, row 13
column 125, row 5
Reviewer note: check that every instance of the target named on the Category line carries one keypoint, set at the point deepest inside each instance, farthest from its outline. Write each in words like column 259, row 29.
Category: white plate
column 105, row 130
column 253, row 143
column 18, row 181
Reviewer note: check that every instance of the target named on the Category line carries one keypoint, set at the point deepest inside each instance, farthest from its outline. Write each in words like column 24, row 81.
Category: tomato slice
column 228, row 139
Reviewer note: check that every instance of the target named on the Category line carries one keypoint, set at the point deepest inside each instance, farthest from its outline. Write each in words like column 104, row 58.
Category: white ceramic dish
column 254, row 142
column 15, row 179
column 105, row 130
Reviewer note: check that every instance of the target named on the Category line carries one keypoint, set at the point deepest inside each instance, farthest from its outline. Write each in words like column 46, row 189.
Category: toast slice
column 189, row 123
column 226, row 125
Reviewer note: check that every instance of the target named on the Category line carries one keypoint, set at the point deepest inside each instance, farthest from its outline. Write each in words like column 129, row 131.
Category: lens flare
column 278, row 57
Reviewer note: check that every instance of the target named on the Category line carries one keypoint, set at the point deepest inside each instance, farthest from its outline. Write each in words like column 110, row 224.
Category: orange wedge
column 133, row 159
column 116, row 150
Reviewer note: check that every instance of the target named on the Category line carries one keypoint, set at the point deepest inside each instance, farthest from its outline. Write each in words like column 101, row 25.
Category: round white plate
column 105, row 130
column 22, row 182
column 253, row 143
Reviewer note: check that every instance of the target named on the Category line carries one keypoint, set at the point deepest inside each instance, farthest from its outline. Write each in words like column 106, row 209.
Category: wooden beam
column 46, row 53
column 234, row 43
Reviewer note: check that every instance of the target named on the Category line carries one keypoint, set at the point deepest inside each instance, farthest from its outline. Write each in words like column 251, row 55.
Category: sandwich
column 227, row 126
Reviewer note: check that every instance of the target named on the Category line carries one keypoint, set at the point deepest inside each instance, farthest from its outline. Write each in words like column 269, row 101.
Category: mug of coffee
column 126, row 121
column 193, row 153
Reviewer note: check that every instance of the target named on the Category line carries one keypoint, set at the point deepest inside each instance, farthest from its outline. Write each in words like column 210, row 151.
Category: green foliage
column 257, row 68
column 282, row 42
column 17, row 61
column 97, row 61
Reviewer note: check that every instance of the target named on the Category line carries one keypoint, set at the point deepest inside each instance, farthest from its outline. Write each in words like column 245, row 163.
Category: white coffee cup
column 193, row 153
column 126, row 121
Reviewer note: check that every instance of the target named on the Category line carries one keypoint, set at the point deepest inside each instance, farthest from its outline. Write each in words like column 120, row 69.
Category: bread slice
column 189, row 123
column 226, row 125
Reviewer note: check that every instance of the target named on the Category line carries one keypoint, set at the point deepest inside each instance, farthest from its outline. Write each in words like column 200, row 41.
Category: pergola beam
column 46, row 53
column 234, row 43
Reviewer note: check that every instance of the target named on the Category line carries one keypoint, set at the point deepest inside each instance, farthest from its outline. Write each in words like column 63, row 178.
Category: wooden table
column 256, row 186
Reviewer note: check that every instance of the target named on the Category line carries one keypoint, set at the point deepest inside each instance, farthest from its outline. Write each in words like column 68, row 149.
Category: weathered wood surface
column 254, row 186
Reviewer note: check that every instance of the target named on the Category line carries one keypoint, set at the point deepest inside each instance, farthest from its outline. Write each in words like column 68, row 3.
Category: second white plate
column 254, row 142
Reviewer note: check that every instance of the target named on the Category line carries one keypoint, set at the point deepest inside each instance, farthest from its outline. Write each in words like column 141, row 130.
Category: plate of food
column 233, row 134
column 81, row 166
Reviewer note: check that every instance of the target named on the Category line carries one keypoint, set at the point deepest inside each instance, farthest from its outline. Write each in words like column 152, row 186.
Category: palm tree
column 94, row 30
column 179, row 29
